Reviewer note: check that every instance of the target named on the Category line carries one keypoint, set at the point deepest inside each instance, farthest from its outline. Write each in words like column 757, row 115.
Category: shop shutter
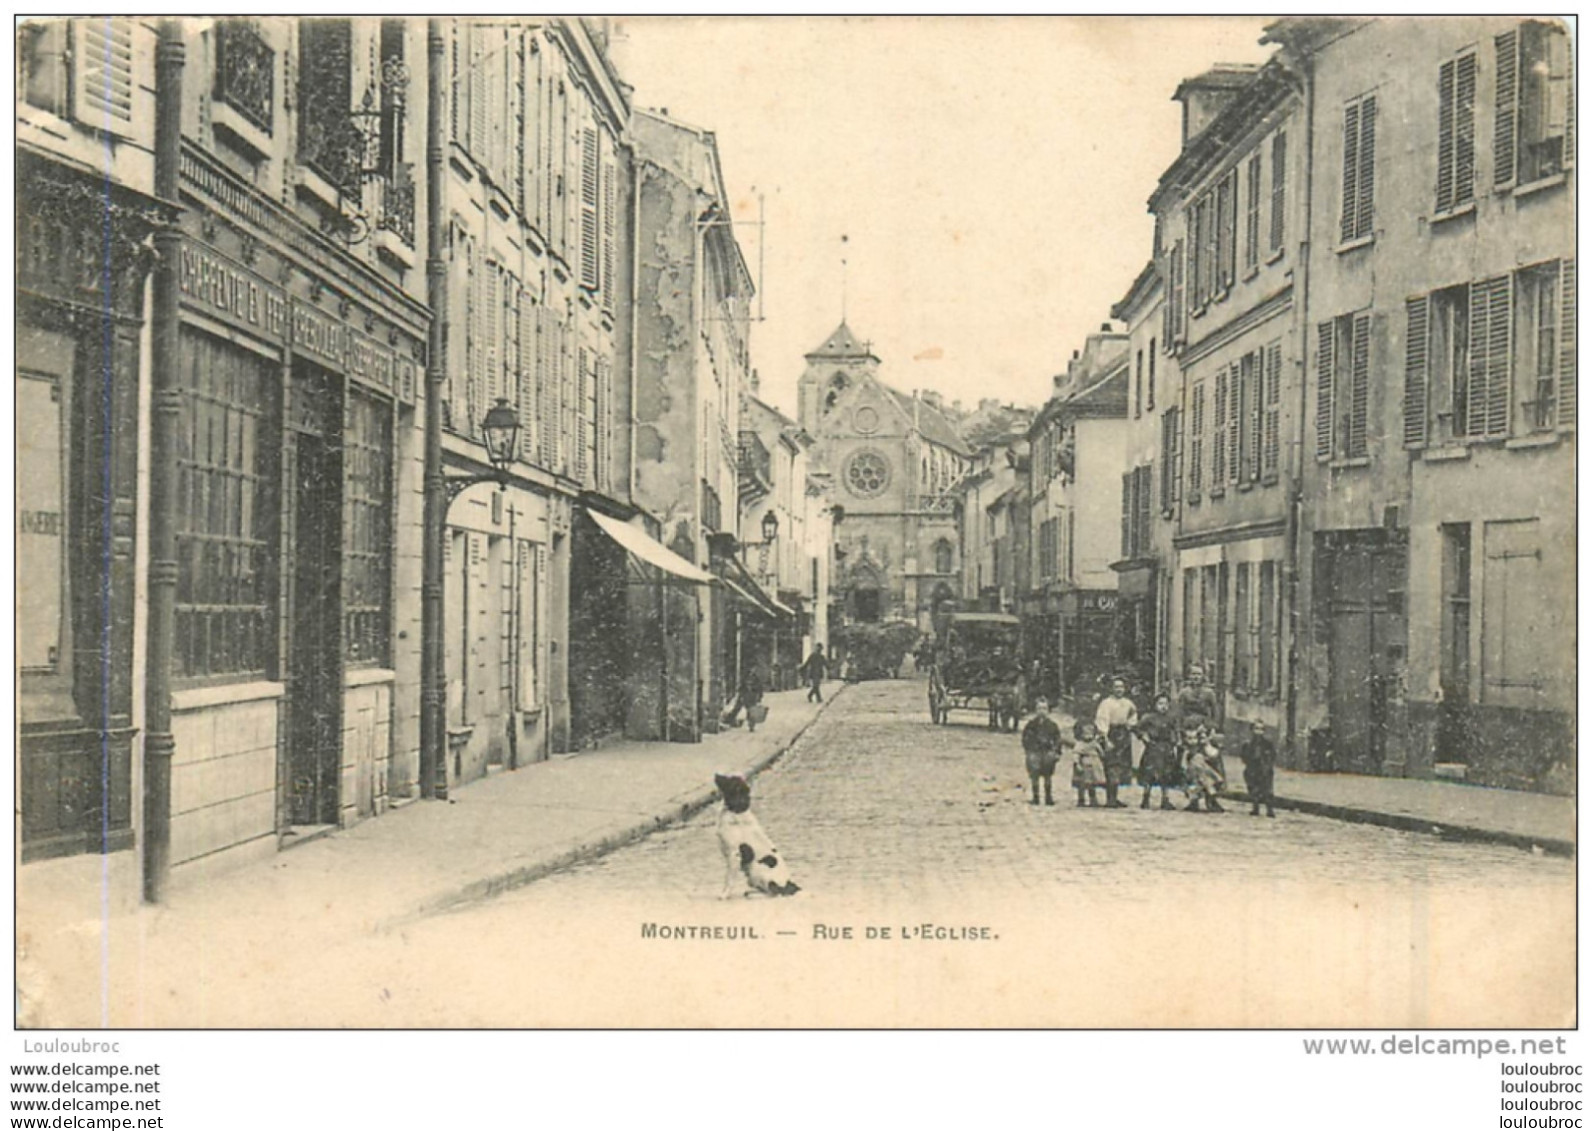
column 1415, row 370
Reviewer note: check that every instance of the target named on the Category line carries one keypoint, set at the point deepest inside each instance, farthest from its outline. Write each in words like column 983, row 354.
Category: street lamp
column 770, row 526
column 500, row 432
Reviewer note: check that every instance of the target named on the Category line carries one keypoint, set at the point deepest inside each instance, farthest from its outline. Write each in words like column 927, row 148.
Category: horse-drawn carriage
column 978, row 667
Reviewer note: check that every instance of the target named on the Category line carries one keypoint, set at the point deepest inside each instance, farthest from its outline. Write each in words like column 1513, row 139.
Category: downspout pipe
column 1296, row 486
column 433, row 668
column 166, row 401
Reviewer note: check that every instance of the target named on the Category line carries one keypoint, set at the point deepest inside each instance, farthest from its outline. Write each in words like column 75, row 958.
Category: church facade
column 894, row 458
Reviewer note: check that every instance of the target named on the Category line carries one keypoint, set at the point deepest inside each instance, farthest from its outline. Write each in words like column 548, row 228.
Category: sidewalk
column 493, row 835
column 1463, row 812
column 1441, row 808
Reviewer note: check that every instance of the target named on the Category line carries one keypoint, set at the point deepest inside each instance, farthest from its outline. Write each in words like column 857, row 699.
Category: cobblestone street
column 1092, row 917
column 876, row 801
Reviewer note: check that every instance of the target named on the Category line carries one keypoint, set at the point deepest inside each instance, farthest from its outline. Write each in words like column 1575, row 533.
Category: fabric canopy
column 636, row 542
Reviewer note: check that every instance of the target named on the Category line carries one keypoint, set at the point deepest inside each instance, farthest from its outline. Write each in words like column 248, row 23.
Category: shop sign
column 1097, row 602
column 340, row 347
column 214, row 285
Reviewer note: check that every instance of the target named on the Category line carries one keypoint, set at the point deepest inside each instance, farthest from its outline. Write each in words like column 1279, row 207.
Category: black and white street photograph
column 811, row 522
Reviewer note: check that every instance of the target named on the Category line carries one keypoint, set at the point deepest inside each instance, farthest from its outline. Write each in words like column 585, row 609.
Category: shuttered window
column 1416, row 343
column 1359, row 168
column 1279, row 190
column 1534, row 108
column 1252, row 213
column 1237, row 376
column 103, row 74
column 1171, row 470
column 590, row 191
column 1272, row 432
column 1254, row 417
column 1456, row 132
column 1196, row 444
column 1343, row 386
column 1544, row 349
column 1488, row 380
column 1567, row 400
column 1219, row 432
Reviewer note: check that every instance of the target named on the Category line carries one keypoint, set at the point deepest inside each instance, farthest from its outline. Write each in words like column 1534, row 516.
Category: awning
column 635, row 541
column 754, row 594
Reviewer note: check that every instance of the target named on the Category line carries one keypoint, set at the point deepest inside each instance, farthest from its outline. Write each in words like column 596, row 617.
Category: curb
column 1552, row 846
column 676, row 812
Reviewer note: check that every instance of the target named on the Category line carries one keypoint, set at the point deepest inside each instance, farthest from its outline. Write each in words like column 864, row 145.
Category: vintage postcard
column 795, row 522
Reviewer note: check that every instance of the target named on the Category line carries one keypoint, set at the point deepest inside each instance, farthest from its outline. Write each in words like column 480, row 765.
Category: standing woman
column 1115, row 719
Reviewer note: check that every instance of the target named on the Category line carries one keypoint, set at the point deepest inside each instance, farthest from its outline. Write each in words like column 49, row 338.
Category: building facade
column 1075, row 472
column 1231, row 215
column 1441, row 399
column 692, row 367
column 895, row 461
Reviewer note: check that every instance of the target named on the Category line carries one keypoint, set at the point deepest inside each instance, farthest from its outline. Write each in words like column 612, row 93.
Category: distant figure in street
column 1041, row 749
column 747, row 696
column 813, row 670
column 1115, row 718
column 1158, row 765
column 1196, row 699
column 1088, row 764
column 1260, row 765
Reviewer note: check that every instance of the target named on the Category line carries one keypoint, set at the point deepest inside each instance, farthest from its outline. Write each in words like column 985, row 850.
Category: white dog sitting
column 747, row 849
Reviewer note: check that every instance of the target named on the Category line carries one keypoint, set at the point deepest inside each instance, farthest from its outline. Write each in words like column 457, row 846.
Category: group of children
column 1181, row 752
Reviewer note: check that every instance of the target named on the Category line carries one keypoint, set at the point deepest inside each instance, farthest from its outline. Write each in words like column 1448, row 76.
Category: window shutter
column 1465, row 129
column 1196, row 447
column 1254, row 415
column 1367, row 166
column 1166, row 459
column 1127, row 514
column 1279, row 170
column 1271, row 441
column 1351, row 170
column 590, row 173
column 1235, row 409
column 1566, row 390
column 609, row 218
column 1497, row 351
column 1476, row 379
column 582, row 461
column 1445, row 136
column 1506, row 100
column 102, row 74
column 1415, row 369
column 1219, row 432
column 1324, row 365
column 1177, row 454
column 478, row 95
column 1142, row 514
column 1359, row 385
column 566, row 392
column 525, row 386
column 474, row 392
column 1569, row 105
column 494, row 280
column 545, row 398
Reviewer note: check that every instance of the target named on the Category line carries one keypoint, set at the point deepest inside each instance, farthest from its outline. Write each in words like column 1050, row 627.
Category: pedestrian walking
column 1158, row 765
column 813, row 670
column 748, row 698
column 1259, row 753
column 1115, row 718
column 1041, row 749
column 1088, row 763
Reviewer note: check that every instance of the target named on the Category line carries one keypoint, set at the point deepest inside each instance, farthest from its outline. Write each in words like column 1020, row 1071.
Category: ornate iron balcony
column 245, row 71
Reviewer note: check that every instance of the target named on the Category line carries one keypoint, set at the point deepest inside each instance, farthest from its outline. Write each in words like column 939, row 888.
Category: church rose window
column 867, row 473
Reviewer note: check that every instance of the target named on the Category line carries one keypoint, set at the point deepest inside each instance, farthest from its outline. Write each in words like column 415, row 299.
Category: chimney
column 1105, row 327
column 1206, row 96
column 755, row 383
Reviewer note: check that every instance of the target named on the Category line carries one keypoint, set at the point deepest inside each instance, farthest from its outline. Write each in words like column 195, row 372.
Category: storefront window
column 367, row 532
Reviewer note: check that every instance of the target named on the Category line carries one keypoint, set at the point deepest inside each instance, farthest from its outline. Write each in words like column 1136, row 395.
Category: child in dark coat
column 1260, row 765
column 1158, row 765
column 1041, row 749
